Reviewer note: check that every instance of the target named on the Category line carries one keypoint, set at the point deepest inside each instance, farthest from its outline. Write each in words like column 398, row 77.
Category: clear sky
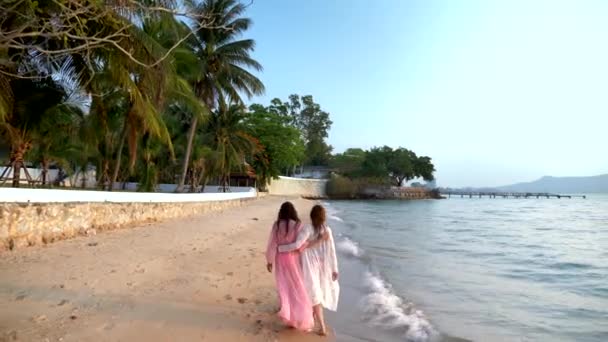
column 495, row 92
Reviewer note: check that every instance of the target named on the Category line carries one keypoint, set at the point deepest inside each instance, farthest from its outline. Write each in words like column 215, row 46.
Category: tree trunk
column 83, row 184
column 225, row 182
column 16, row 174
column 45, row 170
column 192, row 180
column 200, row 176
column 191, row 133
column 16, row 157
column 104, row 178
column 118, row 158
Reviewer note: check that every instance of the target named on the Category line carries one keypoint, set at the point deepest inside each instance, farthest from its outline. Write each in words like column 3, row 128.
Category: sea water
column 472, row 269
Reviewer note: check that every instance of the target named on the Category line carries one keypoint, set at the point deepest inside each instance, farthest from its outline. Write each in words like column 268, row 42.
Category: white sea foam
column 384, row 309
column 332, row 213
column 349, row 247
column 335, row 218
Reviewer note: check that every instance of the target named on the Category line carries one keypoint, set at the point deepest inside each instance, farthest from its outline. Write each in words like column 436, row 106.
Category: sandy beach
column 196, row 279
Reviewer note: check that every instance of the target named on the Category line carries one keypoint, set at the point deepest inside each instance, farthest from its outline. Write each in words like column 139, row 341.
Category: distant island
column 592, row 184
column 564, row 185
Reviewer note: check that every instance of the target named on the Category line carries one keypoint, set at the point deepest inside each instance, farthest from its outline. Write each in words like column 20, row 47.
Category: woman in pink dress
column 296, row 308
column 319, row 264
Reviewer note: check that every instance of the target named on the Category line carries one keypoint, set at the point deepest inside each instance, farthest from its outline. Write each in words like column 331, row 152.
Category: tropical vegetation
column 373, row 173
column 142, row 91
column 155, row 92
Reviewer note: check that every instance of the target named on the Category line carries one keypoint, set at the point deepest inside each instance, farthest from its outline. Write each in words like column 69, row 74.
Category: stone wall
column 28, row 224
column 412, row 193
column 380, row 192
column 287, row 186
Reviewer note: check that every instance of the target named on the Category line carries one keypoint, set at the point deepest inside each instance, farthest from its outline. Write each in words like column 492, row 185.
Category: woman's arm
column 324, row 237
column 271, row 248
column 302, row 238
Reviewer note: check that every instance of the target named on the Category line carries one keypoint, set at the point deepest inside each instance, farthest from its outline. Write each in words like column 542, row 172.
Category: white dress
column 318, row 264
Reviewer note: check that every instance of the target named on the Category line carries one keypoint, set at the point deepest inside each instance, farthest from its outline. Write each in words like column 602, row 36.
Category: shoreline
column 201, row 277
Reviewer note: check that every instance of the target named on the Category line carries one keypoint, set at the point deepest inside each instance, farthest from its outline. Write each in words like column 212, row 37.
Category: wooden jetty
column 480, row 194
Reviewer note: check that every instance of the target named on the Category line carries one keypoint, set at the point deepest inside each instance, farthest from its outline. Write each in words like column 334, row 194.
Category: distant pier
column 481, row 194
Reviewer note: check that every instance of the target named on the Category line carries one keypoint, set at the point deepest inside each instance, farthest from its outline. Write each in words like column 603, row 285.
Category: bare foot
column 322, row 332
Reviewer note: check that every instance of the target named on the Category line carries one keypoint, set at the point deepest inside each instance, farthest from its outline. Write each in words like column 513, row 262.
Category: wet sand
column 196, row 279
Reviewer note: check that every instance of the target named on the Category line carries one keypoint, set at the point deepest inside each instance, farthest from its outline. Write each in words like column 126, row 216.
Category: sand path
column 196, row 279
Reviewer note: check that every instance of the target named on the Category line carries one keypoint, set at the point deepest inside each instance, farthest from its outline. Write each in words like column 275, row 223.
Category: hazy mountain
column 562, row 185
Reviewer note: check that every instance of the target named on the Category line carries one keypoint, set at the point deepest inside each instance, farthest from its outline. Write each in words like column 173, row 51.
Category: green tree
column 281, row 145
column 348, row 163
column 34, row 99
column 112, row 55
column 224, row 61
column 230, row 141
column 424, row 168
column 396, row 166
column 375, row 164
column 312, row 121
column 57, row 140
column 400, row 166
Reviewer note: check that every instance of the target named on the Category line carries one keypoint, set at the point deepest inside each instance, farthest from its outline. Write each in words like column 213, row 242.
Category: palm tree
column 114, row 69
column 204, row 166
column 230, row 141
column 34, row 99
column 57, row 140
column 224, row 61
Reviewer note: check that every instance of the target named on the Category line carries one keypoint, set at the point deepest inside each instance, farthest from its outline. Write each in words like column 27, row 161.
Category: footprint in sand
column 39, row 318
column 230, row 273
column 20, row 297
column 10, row 336
column 228, row 297
column 242, row 300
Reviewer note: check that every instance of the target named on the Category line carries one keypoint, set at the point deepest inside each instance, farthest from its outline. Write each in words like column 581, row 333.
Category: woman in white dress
column 319, row 264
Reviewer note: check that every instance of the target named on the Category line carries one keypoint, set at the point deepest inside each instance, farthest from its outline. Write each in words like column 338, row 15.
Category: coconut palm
column 35, row 99
column 57, row 141
column 133, row 67
column 224, row 61
column 229, row 139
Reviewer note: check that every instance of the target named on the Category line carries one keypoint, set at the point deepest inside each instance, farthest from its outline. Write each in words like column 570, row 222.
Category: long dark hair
column 318, row 217
column 287, row 213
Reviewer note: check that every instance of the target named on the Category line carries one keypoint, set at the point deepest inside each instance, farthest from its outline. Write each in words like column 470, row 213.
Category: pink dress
column 296, row 308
